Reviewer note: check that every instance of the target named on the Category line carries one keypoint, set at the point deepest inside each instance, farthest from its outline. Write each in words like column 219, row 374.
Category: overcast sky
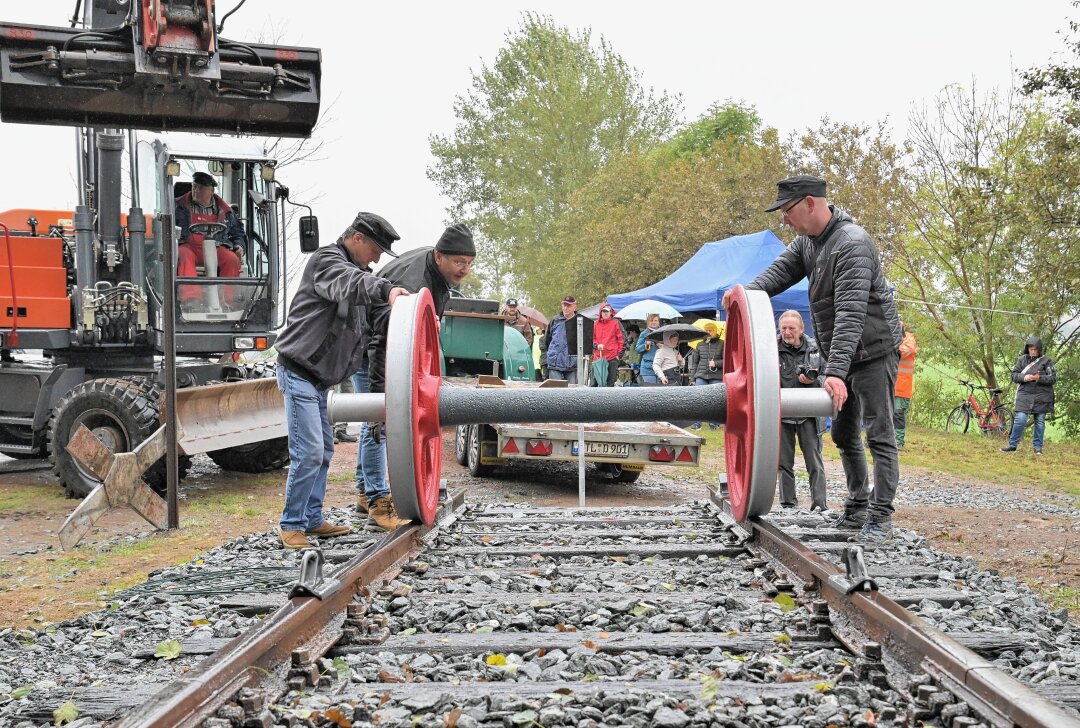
column 392, row 70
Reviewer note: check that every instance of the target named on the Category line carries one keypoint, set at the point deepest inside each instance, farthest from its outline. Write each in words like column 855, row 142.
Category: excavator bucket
column 227, row 415
column 171, row 80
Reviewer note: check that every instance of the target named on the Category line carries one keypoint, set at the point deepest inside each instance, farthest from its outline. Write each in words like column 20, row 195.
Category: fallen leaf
column 167, row 650
column 66, row 713
column 21, row 692
column 524, row 717
column 407, row 632
column 496, row 659
column 781, row 639
column 869, row 717
column 450, row 719
column 200, row 622
column 338, row 718
column 786, row 602
column 669, row 587
column 591, row 677
column 603, row 636
column 589, row 645
column 99, row 633
column 486, row 539
column 388, row 677
column 344, row 672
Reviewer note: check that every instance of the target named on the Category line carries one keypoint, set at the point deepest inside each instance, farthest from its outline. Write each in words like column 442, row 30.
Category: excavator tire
column 255, row 457
column 122, row 412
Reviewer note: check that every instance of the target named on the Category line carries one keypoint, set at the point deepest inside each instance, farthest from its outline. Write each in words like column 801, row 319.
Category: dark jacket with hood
column 412, row 271
column 709, row 350
column 326, row 334
column 804, row 358
column 852, row 308
column 1037, row 396
column 570, row 325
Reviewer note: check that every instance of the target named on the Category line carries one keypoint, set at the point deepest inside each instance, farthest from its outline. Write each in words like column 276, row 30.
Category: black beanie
column 456, row 240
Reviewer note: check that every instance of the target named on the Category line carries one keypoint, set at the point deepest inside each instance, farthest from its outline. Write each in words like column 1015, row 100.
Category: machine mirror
column 309, row 234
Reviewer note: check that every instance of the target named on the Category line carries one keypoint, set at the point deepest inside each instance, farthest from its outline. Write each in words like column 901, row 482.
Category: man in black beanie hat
column 437, row 269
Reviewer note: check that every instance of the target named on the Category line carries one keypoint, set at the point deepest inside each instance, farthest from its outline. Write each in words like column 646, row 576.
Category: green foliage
column 990, row 254
column 536, row 124
column 66, row 713
column 1060, row 80
column 733, row 121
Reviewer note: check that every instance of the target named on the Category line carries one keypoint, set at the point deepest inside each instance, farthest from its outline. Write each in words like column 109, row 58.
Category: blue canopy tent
column 701, row 281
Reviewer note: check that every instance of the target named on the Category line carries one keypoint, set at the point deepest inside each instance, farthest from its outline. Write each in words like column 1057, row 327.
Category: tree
column 1060, row 80
column 991, row 252
column 535, row 125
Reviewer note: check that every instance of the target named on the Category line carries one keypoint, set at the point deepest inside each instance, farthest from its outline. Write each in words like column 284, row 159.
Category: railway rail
column 628, row 616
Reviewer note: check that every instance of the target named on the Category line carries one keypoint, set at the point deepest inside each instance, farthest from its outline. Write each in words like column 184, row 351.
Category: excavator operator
column 202, row 204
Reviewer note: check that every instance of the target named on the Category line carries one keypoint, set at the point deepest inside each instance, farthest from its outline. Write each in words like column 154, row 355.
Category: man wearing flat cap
column 439, row 269
column 517, row 320
column 858, row 331
column 560, row 342
column 201, row 205
column 324, row 341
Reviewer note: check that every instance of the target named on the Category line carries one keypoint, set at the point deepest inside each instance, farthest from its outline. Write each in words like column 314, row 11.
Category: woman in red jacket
column 608, row 343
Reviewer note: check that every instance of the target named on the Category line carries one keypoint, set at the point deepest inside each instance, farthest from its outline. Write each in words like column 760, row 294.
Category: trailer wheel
column 461, row 444
column 121, row 413
column 254, row 457
column 476, row 468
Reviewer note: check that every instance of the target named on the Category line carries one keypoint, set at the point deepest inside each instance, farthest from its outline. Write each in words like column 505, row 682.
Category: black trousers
column 809, row 442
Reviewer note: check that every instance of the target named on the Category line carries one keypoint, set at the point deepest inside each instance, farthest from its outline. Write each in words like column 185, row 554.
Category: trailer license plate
column 608, row 449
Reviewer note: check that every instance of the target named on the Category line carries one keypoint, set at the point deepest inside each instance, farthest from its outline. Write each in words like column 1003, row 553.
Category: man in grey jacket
column 323, row 342
column 855, row 319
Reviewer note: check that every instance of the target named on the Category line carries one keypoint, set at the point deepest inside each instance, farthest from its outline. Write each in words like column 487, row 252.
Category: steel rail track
column 859, row 617
column 264, row 653
column 859, row 620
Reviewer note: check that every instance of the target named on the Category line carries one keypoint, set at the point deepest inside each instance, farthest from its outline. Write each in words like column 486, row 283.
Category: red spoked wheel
column 752, row 428
column 413, row 377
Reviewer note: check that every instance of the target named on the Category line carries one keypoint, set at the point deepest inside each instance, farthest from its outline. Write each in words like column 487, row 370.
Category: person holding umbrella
column 608, row 344
column 667, row 363
column 647, row 350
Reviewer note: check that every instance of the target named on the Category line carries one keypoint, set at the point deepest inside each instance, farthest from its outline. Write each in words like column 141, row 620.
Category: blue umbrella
column 638, row 311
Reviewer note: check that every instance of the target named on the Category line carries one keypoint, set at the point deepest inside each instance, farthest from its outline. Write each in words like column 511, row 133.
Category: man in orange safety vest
column 904, row 376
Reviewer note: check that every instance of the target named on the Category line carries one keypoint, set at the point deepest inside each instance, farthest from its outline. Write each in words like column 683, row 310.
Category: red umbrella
column 535, row 317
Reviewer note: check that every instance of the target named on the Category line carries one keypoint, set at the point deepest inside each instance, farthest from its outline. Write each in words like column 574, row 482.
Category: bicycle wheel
column 959, row 419
column 999, row 422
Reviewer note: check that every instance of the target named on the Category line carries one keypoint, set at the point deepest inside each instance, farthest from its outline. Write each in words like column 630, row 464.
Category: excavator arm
column 160, row 66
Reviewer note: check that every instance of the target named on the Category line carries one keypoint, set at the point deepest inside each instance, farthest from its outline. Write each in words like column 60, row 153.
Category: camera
column 809, row 373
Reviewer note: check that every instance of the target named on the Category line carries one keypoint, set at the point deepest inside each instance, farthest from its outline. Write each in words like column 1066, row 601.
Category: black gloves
column 376, row 430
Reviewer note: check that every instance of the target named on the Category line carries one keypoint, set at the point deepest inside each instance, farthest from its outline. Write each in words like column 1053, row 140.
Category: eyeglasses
column 787, row 211
column 461, row 263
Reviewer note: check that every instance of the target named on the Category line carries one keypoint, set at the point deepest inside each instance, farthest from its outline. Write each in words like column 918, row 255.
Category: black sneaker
column 851, row 520
column 1008, row 448
column 1038, row 452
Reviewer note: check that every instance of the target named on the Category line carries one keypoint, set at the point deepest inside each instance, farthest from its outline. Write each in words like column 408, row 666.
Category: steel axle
column 416, row 406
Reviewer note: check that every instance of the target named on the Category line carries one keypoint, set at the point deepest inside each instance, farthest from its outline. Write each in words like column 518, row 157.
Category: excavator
column 156, row 95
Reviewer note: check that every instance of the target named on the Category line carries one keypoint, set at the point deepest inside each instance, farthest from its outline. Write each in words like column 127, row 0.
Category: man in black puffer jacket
column 858, row 331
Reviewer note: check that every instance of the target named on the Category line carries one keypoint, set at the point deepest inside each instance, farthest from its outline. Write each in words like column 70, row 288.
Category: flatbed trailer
column 622, row 449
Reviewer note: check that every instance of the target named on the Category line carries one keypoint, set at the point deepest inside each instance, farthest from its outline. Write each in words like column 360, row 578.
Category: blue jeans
column 370, row 455
column 311, row 446
column 565, row 375
column 1037, row 432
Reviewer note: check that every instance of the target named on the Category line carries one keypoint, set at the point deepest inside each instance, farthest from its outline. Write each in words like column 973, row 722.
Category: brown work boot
column 294, row 540
column 326, row 529
column 361, row 504
column 383, row 517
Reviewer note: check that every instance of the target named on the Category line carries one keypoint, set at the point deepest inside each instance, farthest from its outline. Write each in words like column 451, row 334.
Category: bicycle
column 993, row 416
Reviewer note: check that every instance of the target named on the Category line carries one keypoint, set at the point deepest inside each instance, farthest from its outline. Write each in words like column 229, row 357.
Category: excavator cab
column 84, row 294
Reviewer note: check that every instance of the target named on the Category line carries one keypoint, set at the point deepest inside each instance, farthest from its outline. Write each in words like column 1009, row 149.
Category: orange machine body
column 39, row 273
